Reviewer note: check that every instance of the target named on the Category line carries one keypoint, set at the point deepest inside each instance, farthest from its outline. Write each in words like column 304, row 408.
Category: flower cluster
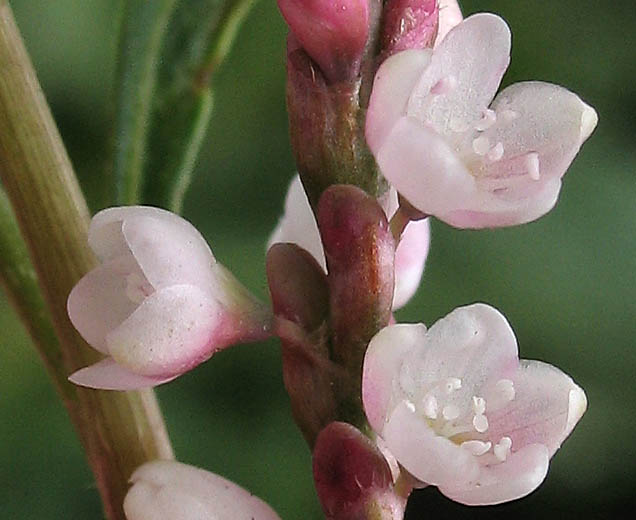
column 450, row 406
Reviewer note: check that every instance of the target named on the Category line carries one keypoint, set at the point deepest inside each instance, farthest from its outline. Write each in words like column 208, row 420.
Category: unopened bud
column 352, row 478
column 332, row 32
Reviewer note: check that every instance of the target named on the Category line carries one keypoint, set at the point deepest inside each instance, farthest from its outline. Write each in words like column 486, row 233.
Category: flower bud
column 352, row 478
column 169, row 489
column 409, row 24
column 332, row 32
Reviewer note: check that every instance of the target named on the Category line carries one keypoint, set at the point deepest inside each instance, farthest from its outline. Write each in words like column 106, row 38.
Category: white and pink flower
column 298, row 226
column 159, row 304
column 460, row 411
column 169, row 489
column 451, row 150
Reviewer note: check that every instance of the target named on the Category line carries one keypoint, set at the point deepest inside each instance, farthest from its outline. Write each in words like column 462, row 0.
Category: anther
column 480, row 422
column 506, row 389
column 452, row 384
column 488, row 118
column 430, row 406
column 502, row 448
column 476, row 448
column 479, row 405
column 481, row 145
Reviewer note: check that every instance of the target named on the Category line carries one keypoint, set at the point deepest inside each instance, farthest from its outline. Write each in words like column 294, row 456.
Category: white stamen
column 444, row 85
column 452, row 384
column 137, row 289
column 532, row 164
column 506, row 389
column 430, row 406
column 410, row 406
column 450, row 412
column 508, row 115
column 496, row 152
column 476, row 448
column 488, row 118
column 502, row 448
column 481, row 145
column 480, row 422
column 479, row 405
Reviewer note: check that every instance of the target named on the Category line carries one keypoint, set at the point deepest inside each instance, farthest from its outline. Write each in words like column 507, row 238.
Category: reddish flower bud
column 332, row 32
column 352, row 478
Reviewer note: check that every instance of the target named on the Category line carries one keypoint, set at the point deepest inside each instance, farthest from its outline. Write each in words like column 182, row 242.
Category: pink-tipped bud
column 409, row 24
column 332, row 32
column 352, row 477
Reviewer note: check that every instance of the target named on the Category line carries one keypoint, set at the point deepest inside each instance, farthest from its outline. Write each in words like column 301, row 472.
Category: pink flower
column 460, row 411
column 332, row 32
column 452, row 151
column 159, row 304
column 450, row 15
column 168, row 489
column 298, row 226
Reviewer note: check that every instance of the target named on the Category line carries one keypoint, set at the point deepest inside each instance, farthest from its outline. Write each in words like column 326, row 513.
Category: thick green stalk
column 119, row 430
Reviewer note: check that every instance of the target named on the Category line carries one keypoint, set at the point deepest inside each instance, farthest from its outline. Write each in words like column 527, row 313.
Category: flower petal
column 471, row 60
column 171, row 251
column 108, row 375
column 429, row 457
column 546, row 407
column 450, row 15
column 382, row 364
column 542, row 118
column 173, row 330
column 410, row 257
column 521, row 474
column 472, row 343
column 169, row 489
column 420, row 164
column 392, row 89
column 99, row 303
column 298, row 224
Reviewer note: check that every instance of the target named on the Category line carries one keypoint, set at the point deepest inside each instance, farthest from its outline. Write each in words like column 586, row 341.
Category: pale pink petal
column 421, row 165
column 173, row 330
column 450, row 15
column 521, row 474
column 171, row 251
column 108, row 375
column 469, row 63
column 392, row 87
column 99, row 302
column 504, row 211
column 546, row 406
column 539, row 117
column 382, row 364
column 169, row 489
column 410, row 257
column 298, row 224
column 472, row 343
column 431, row 458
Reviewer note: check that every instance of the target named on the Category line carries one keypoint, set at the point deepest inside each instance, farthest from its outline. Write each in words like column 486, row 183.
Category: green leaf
column 169, row 53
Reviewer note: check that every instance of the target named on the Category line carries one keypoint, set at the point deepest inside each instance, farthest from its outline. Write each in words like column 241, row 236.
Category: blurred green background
column 567, row 283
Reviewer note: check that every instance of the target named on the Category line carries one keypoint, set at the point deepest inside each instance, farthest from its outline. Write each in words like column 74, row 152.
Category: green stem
column 119, row 430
